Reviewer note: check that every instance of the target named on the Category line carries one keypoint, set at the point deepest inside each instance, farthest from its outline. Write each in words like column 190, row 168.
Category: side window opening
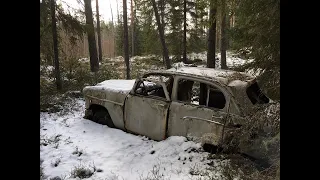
column 216, row 99
column 197, row 93
column 167, row 79
column 185, row 91
column 256, row 95
column 147, row 88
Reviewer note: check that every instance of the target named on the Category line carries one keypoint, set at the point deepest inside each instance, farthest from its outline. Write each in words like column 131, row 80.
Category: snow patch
column 232, row 59
column 77, row 141
column 193, row 56
column 237, row 83
column 115, row 85
column 141, row 58
column 47, row 69
column 83, row 60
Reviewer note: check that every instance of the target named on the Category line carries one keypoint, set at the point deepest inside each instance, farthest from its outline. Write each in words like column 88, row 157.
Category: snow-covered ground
column 232, row 59
column 68, row 141
column 153, row 62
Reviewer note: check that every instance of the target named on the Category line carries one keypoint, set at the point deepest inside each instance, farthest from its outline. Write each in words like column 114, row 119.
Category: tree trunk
column 162, row 21
column 94, row 62
column 227, row 27
column 114, row 37
column 211, row 52
column 161, row 34
column 118, row 16
column 162, row 13
column 55, row 45
column 99, row 31
column 125, row 39
column 223, row 43
column 132, row 29
column 218, row 33
column 185, row 31
column 196, row 19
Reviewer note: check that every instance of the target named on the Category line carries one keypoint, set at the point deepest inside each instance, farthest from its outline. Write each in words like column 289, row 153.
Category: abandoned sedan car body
column 199, row 103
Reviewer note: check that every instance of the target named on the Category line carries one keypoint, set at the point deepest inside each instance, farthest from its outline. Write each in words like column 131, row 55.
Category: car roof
column 226, row 77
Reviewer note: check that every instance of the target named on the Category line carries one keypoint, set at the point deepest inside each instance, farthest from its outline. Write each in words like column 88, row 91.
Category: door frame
column 138, row 82
column 219, row 86
column 226, row 93
column 166, row 100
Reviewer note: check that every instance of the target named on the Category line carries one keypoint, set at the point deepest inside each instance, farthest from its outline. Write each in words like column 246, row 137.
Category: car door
column 198, row 109
column 146, row 109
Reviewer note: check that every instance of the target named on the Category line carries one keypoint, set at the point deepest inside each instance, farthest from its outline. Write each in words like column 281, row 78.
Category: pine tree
column 98, row 31
column 126, row 39
column 185, row 31
column 161, row 35
column 211, row 52
column 55, row 45
column 94, row 62
column 257, row 27
column 223, row 43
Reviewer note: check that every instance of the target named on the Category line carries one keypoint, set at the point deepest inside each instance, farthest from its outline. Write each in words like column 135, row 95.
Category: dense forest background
column 79, row 48
column 250, row 28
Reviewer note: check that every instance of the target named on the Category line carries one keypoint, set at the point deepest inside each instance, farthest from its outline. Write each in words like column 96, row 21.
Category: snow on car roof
column 225, row 77
column 115, row 85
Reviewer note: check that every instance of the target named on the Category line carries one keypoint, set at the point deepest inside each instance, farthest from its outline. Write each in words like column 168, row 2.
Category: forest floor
column 72, row 147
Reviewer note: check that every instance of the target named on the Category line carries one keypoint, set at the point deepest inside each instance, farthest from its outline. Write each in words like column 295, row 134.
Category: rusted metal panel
column 112, row 101
column 195, row 122
column 199, row 123
column 116, row 114
column 106, row 95
column 100, row 101
column 146, row 116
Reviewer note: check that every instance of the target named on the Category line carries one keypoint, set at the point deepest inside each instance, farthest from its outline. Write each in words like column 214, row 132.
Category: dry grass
column 260, row 134
column 82, row 172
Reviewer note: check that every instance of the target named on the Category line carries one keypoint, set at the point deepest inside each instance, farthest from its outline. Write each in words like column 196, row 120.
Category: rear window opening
column 255, row 94
column 198, row 93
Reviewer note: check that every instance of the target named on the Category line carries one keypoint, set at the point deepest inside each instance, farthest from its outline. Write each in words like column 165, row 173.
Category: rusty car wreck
column 199, row 103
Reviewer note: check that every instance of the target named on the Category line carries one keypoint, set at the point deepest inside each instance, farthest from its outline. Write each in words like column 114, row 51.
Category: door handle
column 159, row 104
column 217, row 117
column 197, row 118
